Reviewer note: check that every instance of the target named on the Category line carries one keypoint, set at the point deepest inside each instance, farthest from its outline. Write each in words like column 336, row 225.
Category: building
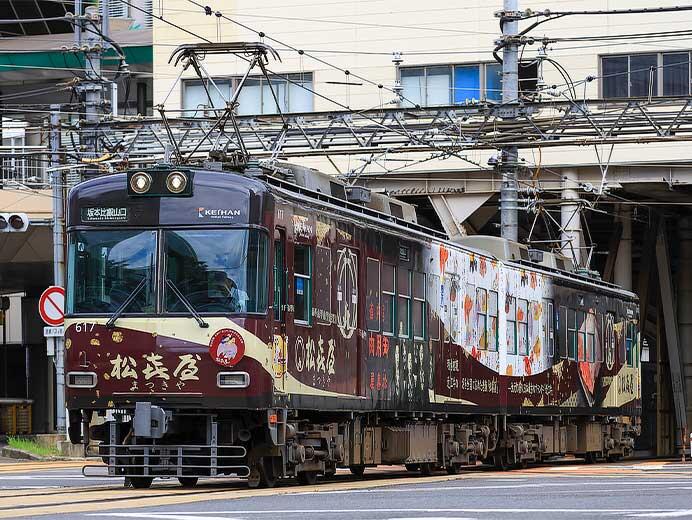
column 360, row 55
column 40, row 65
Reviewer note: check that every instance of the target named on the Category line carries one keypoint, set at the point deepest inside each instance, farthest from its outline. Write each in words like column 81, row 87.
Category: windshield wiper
column 187, row 304
column 111, row 322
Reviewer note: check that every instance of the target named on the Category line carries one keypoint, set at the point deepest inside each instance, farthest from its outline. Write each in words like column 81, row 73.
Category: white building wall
column 360, row 35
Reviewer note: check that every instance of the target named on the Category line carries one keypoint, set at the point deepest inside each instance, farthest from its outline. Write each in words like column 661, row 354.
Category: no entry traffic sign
column 51, row 306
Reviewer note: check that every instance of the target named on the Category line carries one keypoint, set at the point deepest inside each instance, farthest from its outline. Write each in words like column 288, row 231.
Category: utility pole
column 58, row 257
column 508, row 165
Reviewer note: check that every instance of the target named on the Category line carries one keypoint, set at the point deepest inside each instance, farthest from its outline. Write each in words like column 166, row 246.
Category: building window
column 642, row 75
column 196, row 102
column 451, row 84
column 388, row 297
column 302, row 289
column 255, row 97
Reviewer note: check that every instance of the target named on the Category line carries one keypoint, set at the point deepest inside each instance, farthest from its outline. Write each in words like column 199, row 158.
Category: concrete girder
column 454, row 210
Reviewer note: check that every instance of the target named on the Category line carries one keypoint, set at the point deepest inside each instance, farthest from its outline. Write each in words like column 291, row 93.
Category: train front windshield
column 218, row 271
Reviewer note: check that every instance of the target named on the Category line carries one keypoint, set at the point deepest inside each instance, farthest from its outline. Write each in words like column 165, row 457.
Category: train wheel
column 188, row 482
column 453, row 469
column 426, row 469
column 412, row 467
column 141, row 482
column 267, row 474
column 522, row 464
column 306, row 478
column 357, row 470
column 590, row 457
column 500, row 462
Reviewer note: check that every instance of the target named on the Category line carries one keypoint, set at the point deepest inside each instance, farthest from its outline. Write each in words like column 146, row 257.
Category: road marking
column 667, row 514
column 180, row 516
column 207, row 514
column 59, row 477
column 472, row 487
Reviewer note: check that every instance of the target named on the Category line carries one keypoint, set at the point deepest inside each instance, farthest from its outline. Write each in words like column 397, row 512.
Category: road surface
column 566, row 490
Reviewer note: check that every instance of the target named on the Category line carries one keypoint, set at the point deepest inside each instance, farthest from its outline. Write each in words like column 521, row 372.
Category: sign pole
column 4, row 351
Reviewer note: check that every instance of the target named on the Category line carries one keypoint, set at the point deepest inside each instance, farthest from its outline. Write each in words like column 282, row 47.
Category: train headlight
column 81, row 379
column 176, row 182
column 140, row 182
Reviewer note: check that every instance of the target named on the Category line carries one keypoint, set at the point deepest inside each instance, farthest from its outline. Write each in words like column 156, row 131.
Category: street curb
column 12, row 453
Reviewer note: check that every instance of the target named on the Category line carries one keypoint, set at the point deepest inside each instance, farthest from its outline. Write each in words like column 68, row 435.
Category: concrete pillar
column 571, row 238
column 623, row 262
column 684, row 311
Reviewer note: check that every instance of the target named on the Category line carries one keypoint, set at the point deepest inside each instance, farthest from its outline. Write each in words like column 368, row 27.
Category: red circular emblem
column 227, row 347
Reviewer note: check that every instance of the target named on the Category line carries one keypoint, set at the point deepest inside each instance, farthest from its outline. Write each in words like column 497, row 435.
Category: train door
column 280, row 347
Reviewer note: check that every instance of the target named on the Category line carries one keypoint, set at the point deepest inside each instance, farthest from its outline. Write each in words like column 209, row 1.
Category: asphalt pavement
column 568, row 490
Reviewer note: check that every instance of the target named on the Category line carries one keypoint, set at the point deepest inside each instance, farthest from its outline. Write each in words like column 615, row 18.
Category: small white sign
column 53, row 332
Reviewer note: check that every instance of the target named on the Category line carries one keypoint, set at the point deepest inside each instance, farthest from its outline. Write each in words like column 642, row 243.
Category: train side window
column 523, row 322
column 512, row 326
column 600, row 345
column 572, row 334
column 549, row 327
column 404, row 303
column 388, row 297
column 562, row 331
column 372, row 298
column 609, row 339
column 279, row 275
column 482, row 318
column 302, row 286
column 434, row 306
column 591, row 337
column 629, row 343
column 581, row 336
column 452, row 288
column 322, row 308
column 418, row 305
column 492, row 321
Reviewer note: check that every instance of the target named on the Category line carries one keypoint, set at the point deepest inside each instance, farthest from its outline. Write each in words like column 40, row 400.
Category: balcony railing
column 24, row 165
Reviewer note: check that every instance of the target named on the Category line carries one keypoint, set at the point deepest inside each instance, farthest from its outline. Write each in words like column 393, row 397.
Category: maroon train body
column 277, row 326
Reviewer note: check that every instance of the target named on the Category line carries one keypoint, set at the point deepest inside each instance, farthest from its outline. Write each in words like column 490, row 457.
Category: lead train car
column 250, row 326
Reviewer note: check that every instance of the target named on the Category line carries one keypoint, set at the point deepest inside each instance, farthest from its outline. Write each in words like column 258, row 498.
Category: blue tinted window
column 467, row 84
column 493, row 81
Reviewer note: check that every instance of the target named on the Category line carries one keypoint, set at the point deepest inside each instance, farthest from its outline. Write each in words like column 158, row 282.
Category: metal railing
column 24, row 165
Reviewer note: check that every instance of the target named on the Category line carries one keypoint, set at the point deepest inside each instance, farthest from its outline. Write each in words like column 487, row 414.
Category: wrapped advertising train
column 275, row 324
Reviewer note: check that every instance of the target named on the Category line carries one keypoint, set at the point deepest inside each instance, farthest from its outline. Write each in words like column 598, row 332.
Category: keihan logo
column 217, row 213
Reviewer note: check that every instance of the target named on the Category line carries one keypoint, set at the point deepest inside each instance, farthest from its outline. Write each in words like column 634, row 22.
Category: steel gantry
column 450, row 130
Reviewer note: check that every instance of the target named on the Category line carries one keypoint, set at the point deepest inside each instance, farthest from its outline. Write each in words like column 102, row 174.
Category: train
column 274, row 322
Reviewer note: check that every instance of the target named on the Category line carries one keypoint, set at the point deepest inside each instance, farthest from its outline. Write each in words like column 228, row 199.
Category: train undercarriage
column 265, row 446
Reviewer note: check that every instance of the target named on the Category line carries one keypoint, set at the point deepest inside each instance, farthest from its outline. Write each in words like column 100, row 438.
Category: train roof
column 301, row 182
